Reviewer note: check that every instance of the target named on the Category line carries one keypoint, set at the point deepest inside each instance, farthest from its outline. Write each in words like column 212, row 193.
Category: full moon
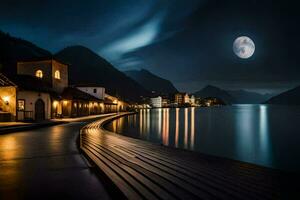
column 243, row 47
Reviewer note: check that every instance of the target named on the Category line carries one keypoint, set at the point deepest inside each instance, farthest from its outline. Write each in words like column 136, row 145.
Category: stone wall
column 48, row 67
column 30, row 68
column 30, row 98
column 59, row 84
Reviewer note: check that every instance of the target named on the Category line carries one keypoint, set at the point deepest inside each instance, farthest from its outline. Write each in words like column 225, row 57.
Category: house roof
column 88, row 85
column 4, row 81
column 42, row 59
column 72, row 93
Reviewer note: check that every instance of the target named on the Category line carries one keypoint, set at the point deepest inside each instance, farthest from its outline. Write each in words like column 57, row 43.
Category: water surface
column 260, row 134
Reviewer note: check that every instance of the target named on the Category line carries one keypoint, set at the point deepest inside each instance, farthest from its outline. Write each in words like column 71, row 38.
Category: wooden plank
column 119, row 169
column 194, row 171
column 260, row 176
column 216, row 182
column 172, row 189
column 225, row 187
column 208, row 168
column 116, row 179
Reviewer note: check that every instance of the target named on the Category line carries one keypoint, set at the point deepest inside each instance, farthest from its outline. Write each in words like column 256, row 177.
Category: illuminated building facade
column 40, row 91
column 156, row 102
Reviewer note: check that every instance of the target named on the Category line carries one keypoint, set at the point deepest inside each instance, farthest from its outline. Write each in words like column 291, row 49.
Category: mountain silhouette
column 212, row 91
column 152, row 82
column 246, row 97
column 13, row 49
column 88, row 67
column 290, row 97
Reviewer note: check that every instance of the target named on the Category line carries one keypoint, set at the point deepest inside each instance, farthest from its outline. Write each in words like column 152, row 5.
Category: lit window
column 21, row 105
column 39, row 73
column 57, row 74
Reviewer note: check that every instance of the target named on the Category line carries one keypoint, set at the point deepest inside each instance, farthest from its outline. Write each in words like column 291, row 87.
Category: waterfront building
column 40, row 91
column 186, row 99
column 199, row 101
column 75, row 103
column 156, row 102
column 92, row 89
column 193, row 100
column 179, row 99
column 29, row 94
column 113, row 104
column 182, row 99
column 165, row 102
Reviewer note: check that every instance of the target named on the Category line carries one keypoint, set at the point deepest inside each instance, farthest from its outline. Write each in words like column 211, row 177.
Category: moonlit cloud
column 142, row 36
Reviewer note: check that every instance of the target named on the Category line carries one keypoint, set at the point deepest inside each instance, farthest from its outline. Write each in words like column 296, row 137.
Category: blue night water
column 260, row 134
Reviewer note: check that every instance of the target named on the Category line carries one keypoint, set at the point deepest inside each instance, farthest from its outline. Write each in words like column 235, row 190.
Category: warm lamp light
column 6, row 99
column 55, row 103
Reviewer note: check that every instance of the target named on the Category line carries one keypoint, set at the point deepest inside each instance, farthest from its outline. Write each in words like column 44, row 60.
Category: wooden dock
column 143, row 170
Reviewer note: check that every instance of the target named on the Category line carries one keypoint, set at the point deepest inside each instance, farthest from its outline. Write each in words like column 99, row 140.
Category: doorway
column 39, row 110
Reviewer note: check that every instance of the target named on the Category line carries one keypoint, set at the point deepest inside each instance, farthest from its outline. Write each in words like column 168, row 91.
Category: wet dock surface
column 46, row 164
column 142, row 170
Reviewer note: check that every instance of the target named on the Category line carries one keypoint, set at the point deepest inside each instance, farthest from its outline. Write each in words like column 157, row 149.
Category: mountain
column 212, row 91
column 88, row 67
column 290, row 97
column 14, row 49
column 246, row 97
column 152, row 82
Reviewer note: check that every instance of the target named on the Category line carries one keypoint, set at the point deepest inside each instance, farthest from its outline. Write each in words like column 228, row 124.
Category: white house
column 156, row 102
column 193, row 100
column 186, row 98
column 92, row 89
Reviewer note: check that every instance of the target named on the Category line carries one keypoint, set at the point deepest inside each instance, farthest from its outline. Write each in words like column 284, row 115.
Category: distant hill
column 151, row 81
column 246, row 97
column 14, row 49
column 88, row 67
column 212, row 91
column 290, row 97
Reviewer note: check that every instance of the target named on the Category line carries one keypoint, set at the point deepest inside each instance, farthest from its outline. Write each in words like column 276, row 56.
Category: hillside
column 212, row 91
column 152, row 82
column 88, row 67
column 246, row 97
column 290, row 97
column 14, row 49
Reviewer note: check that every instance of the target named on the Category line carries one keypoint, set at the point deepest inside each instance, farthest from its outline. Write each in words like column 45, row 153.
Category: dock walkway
column 143, row 170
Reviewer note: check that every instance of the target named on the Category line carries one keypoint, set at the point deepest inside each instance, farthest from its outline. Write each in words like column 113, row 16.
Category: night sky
column 186, row 41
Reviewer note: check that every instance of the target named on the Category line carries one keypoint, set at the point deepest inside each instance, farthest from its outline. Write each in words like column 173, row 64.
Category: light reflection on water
column 265, row 135
column 177, row 127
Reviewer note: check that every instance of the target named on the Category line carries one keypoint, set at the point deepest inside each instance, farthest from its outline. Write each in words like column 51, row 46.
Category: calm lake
column 260, row 134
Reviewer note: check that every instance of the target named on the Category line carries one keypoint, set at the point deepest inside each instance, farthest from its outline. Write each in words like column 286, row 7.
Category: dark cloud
column 188, row 42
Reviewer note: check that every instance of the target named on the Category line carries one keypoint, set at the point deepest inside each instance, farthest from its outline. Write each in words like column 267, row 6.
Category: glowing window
column 57, row 74
column 39, row 73
column 21, row 104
